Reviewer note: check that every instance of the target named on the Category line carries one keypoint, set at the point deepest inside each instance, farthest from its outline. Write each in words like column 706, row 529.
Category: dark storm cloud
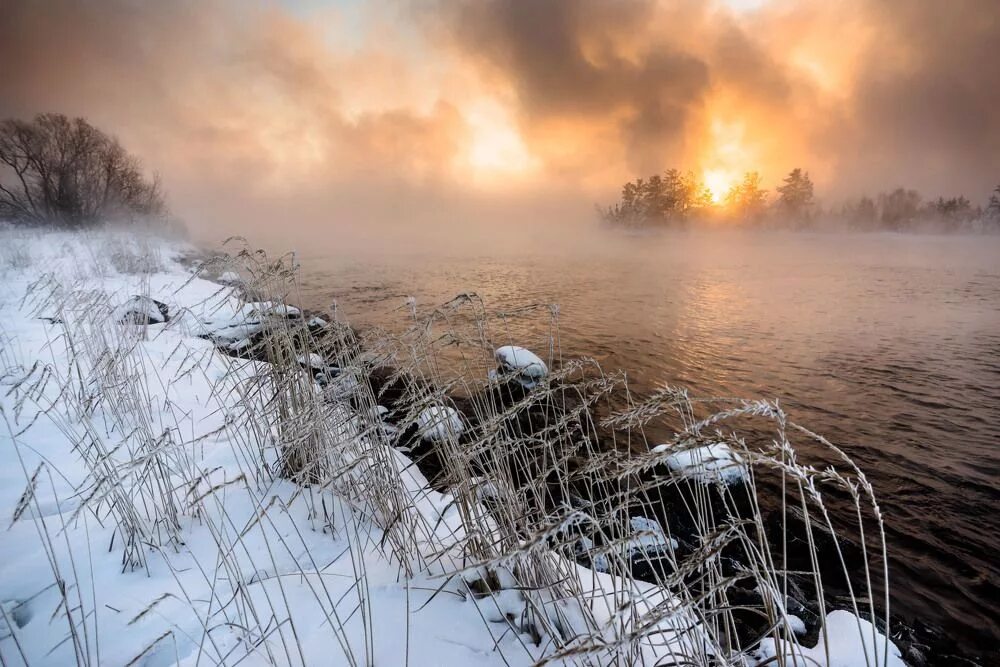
column 922, row 104
column 570, row 60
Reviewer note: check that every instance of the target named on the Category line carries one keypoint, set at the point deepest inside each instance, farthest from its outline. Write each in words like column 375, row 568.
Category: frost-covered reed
column 292, row 472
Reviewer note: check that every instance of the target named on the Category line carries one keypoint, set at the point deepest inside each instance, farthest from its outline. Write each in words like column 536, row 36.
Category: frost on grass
column 173, row 504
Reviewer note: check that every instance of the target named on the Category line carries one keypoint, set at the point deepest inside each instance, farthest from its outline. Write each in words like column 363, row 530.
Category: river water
column 887, row 344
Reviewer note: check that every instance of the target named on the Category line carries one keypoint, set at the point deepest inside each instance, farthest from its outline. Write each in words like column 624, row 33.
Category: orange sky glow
column 446, row 105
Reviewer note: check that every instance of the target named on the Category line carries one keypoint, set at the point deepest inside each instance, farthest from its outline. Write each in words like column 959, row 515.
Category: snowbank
column 846, row 641
column 250, row 569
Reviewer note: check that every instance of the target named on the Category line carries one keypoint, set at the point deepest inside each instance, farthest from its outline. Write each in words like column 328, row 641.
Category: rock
column 230, row 278
column 648, row 538
column 311, row 361
column 525, row 365
column 142, row 310
column 716, row 462
column 439, row 422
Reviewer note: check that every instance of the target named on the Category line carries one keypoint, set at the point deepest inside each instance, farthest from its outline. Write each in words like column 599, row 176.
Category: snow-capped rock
column 142, row 310
column 230, row 278
column 648, row 538
column 437, row 422
column 528, row 366
column 312, row 360
column 708, row 463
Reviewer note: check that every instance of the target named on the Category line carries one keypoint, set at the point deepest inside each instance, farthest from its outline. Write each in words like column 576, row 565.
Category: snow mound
column 530, row 368
column 850, row 640
column 142, row 310
column 437, row 422
column 710, row 463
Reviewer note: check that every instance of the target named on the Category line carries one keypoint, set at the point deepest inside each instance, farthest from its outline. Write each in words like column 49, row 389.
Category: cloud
column 448, row 112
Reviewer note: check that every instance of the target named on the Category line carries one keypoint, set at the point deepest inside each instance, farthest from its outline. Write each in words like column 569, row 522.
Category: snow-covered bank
column 150, row 526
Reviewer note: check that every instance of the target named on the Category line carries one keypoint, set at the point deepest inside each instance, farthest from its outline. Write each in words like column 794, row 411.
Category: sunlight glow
column 725, row 158
column 718, row 182
column 495, row 146
column 743, row 5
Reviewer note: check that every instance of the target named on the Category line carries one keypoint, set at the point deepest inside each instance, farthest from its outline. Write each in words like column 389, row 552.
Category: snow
column 648, row 538
column 846, row 641
column 282, row 310
column 709, row 463
column 797, row 625
column 230, row 278
column 530, row 368
column 439, row 422
column 240, row 566
column 256, row 572
column 313, row 361
column 144, row 307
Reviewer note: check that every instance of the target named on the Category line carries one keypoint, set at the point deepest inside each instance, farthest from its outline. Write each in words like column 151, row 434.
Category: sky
column 431, row 114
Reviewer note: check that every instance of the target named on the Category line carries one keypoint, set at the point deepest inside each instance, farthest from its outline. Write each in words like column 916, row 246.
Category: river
column 887, row 344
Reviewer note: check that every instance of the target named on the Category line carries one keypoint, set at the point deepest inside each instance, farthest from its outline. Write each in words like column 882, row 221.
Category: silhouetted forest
column 677, row 198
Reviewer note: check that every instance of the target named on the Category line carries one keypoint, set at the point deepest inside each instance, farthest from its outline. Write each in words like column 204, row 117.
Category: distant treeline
column 676, row 198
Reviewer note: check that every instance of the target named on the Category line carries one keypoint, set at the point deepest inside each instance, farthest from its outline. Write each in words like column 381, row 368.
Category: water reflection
column 889, row 345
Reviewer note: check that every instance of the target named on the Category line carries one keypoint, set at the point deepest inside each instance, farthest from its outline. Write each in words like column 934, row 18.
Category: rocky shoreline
column 320, row 343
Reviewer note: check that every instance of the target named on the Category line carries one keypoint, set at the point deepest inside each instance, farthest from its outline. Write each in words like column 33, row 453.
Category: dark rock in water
column 143, row 310
column 394, row 389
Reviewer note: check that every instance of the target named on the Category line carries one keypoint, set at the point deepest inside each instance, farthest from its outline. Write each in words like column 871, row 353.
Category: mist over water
column 887, row 344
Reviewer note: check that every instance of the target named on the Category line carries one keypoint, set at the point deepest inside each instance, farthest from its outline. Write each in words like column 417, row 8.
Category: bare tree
column 53, row 169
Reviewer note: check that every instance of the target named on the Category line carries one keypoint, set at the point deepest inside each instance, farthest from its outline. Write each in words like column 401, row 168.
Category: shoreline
column 185, row 321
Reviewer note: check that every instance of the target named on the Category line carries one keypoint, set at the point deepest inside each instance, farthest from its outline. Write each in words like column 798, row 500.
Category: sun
column 718, row 182
column 495, row 147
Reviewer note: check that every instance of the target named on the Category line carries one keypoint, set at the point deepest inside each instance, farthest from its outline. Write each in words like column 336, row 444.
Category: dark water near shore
column 889, row 345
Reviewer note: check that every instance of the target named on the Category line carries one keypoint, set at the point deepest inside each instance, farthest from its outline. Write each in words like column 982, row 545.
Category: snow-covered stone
column 709, row 463
column 797, row 625
column 648, row 538
column 438, row 422
column 312, row 360
column 142, row 310
column 528, row 366
column 230, row 278
column 283, row 310
column 848, row 640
